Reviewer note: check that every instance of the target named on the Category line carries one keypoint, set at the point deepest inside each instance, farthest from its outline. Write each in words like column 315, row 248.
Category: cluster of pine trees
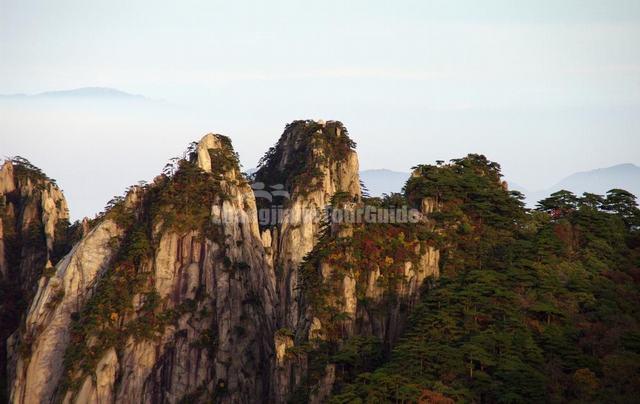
column 531, row 306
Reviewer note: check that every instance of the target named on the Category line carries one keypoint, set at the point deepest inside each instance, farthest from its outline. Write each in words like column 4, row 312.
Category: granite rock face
column 33, row 231
column 38, row 354
column 32, row 208
column 212, row 281
column 315, row 162
column 181, row 291
column 312, row 161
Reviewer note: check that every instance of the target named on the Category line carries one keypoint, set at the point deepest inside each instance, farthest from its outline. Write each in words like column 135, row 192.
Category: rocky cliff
column 34, row 222
column 168, row 297
column 34, row 234
column 200, row 286
column 358, row 286
column 340, row 283
column 310, row 163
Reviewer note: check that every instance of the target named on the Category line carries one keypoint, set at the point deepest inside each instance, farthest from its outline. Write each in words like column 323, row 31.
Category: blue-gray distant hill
column 97, row 93
column 599, row 181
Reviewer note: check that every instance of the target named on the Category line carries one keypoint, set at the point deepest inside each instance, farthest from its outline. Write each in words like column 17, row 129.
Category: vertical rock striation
column 38, row 351
column 359, row 285
column 335, row 281
column 312, row 161
column 169, row 297
column 34, row 229
column 177, row 294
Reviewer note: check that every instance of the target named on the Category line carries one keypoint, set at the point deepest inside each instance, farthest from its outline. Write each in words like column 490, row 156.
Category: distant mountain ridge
column 603, row 179
column 599, row 181
column 82, row 92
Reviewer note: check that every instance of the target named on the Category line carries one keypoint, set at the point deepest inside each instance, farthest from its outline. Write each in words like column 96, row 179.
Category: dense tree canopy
column 535, row 306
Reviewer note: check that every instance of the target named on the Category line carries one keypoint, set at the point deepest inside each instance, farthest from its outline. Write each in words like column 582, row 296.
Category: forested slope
column 530, row 306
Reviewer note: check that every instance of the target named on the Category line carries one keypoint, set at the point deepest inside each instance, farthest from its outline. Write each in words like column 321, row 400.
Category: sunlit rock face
column 33, row 236
column 179, row 293
column 39, row 352
column 199, row 322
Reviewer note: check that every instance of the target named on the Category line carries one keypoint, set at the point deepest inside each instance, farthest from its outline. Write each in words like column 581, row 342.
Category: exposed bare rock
column 313, row 161
column 194, row 317
column 54, row 210
column 31, row 207
column 208, row 142
column 177, row 294
column 34, row 230
column 39, row 364
column 100, row 389
column 356, row 286
column 7, row 180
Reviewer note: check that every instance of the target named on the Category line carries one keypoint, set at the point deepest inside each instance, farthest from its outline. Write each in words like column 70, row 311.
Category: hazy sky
column 546, row 88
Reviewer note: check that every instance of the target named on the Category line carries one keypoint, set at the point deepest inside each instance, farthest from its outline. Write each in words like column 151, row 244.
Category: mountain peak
column 304, row 153
column 212, row 149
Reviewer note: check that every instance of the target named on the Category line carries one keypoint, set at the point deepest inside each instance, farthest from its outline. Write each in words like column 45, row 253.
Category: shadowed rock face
column 313, row 161
column 176, row 293
column 32, row 209
column 33, row 232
